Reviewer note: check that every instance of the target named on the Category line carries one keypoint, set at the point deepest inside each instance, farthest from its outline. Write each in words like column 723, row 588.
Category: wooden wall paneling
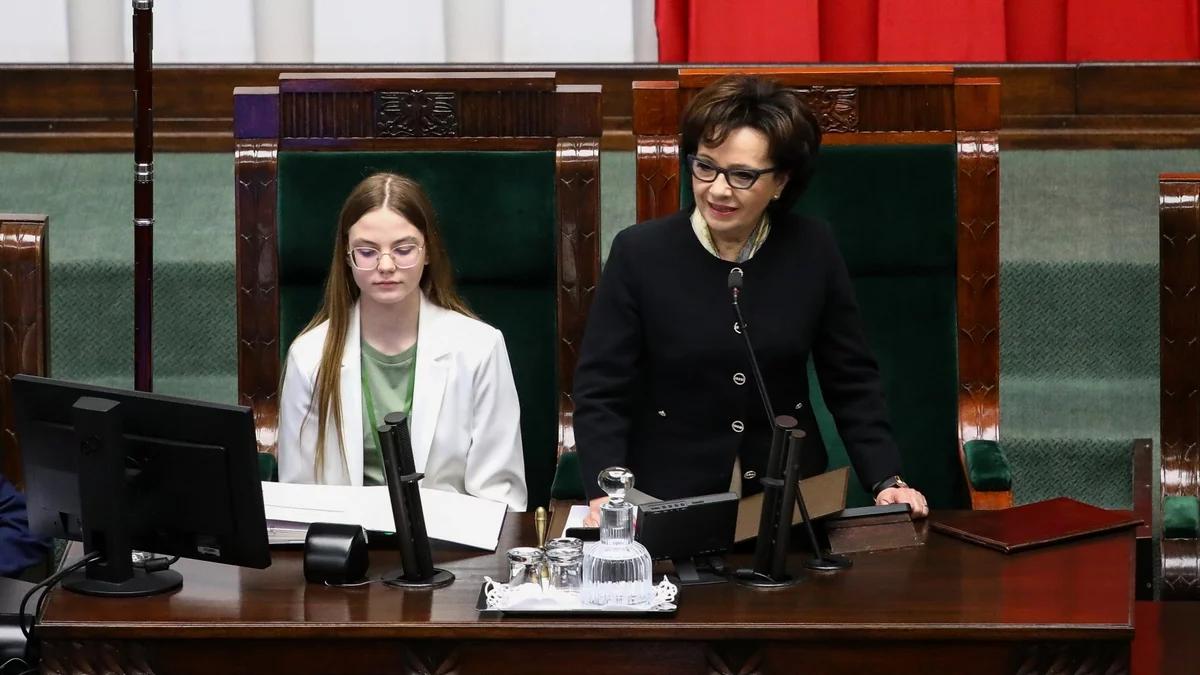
column 1029, row 89
column 898, row 108
column 577, row 181
column 84, row 108
column 416, row 143
column 807, row 76
column 578, row 110
column 1138, row 88
column 978, row 286
column 577, row 172
column 656, row 110
column 1179, row 316
column 24, row 320
column 255, row 169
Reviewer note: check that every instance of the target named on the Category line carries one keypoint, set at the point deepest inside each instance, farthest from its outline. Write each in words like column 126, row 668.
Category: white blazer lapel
column 351, row 390
column 432, row 347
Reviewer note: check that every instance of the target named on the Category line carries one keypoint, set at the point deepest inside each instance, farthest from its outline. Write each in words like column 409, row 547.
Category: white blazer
column 465, row 421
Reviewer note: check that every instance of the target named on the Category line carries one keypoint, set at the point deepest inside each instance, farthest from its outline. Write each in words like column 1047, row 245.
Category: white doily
column 532, row 597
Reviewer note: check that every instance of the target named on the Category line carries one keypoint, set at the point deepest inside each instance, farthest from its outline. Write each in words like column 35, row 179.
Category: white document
column 575, row 518
column 461, row 519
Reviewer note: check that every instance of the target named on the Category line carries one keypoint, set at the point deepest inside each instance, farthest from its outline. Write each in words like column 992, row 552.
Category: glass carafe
column 616, row 571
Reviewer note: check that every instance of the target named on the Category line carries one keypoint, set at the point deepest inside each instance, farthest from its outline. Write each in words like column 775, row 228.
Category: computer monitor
column 125, row 470
column 687, row 530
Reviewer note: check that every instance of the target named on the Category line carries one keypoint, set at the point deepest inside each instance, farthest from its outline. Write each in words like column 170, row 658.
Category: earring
column 776, row 197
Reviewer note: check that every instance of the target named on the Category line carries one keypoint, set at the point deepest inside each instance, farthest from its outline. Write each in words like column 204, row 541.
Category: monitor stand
column 142, row 583
column 693, row 572
column 103, row 486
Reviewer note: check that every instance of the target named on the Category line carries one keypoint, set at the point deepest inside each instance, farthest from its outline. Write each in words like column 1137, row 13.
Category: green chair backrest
column 893, row 210
column 496, row 210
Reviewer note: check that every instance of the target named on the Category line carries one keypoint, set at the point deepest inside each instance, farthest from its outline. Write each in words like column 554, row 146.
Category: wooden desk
column 1166, row 638
column 946, row 608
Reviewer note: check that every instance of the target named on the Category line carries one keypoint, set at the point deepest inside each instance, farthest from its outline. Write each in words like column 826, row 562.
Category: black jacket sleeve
column 849, row 377
column 607, row 373
column 18, row 547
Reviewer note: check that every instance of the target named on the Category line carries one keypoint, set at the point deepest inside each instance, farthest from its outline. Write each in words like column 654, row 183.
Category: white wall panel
column 33, row 32
column 186, row 31
column 568, row 31
column 334, row 31
column 473, row 30
column 94, row 30
column 379, row 31
column 283, row 31
column 645, row 33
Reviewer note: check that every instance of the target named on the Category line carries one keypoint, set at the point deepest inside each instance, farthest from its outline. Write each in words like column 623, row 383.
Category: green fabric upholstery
column 1181, row 517
column 894, row 212
column 987, row 467
column 486, row 202
column 268, row 467
column 568, row 479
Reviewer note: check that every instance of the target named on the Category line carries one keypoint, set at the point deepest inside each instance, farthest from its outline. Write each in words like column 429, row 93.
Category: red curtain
column 712, row 30
column 957, row 31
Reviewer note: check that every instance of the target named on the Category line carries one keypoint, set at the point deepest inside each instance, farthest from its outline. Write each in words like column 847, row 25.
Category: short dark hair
column 735, row 101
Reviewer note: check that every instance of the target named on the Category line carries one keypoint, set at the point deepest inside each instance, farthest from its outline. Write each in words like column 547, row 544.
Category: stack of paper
column 449, row 516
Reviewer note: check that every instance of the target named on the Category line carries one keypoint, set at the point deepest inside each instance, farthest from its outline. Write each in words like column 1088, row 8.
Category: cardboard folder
column 1038, row 524
column 823, row 494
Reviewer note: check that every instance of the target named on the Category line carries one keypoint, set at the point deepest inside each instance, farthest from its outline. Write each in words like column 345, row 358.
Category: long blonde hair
column 405, row 197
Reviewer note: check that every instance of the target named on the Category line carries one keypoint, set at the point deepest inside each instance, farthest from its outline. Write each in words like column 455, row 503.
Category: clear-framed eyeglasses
column 404, row 256
column 739, row 179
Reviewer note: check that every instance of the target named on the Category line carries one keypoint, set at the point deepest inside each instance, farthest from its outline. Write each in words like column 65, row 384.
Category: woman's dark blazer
column 664, row 385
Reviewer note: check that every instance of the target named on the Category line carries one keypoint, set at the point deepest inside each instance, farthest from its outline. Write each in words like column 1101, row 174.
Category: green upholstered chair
column 24, row 320
column 908, row 177
column 1179, row 307
column 511, row 163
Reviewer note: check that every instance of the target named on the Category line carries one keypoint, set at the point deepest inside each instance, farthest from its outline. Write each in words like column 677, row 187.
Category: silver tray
column 484, row 610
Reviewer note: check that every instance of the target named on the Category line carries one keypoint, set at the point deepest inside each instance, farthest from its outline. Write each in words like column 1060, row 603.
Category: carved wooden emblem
column 835, row 107
column 416, row 113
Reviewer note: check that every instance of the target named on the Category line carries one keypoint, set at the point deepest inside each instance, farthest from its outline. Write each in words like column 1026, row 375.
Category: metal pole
column 143, row 194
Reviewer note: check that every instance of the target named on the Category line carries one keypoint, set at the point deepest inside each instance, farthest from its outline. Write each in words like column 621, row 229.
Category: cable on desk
column 156, row 563
column 48, row 583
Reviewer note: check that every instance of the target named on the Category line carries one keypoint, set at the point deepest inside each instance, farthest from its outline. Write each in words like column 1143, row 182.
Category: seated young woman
column 392, row 335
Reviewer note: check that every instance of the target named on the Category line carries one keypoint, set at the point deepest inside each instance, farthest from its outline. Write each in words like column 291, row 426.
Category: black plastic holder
column 416, row 558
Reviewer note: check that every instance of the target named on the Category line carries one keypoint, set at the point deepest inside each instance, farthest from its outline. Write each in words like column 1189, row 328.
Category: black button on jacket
column 655, row 388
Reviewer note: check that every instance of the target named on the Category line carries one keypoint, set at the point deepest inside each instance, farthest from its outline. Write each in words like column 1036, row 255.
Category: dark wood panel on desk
column 1165, row 642
column 555, row 657
column 944, row 606
column 85, row 108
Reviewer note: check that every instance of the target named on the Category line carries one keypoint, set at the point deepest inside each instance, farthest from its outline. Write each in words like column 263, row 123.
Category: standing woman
column 664, row 384
column 392, row 335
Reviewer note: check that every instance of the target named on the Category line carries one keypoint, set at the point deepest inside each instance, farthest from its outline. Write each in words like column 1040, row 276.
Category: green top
column 388, row 382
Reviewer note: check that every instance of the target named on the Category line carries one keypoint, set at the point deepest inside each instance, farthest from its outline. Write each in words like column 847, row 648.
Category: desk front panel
column 943, row 603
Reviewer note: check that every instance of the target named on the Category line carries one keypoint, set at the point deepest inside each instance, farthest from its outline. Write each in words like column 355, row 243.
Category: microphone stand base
column 828, row 562
column 439, row 578
column 752, row 579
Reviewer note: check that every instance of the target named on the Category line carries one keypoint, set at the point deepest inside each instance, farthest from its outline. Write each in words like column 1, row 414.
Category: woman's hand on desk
column 593, row 516
column 899, row 495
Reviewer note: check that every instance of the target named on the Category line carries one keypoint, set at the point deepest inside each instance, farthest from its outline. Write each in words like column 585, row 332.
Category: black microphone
column 772, row 535
column 735, row 290
column 781, row 475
